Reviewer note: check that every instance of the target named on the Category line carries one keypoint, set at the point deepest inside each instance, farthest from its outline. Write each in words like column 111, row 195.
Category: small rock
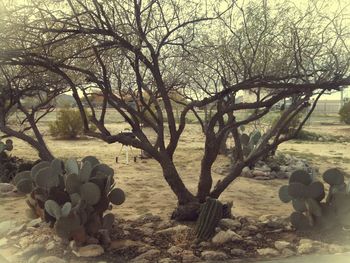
column 30, row 251
column 149, row 255
column 146, row 231
column 34, row 259
column 166, row 260
column 176, row 230
column 267, row 252
column 228, row 223
column 225, row 236
column 306, row 246
column 6, row 188
column 125, row 244
column 175, row 251
column 258, row 173
column 246, row 172
column 189, row 257
column 286, row 252
column 148, row 218
column 252, row 228
column 51, row 259
column 281, row 175
column 334, row 249
column 214, row 255
column 17, row 230
column 35, row 222
column 89, row 251
column 50, row 245
column 280, row 245
column 237, row 252
column 6, row 226
column 3, row 242
column 262, row 178
column 259, row 236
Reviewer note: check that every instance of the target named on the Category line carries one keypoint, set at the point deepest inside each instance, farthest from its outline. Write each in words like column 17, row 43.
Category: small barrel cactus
column 209, row 217
column 73, row 196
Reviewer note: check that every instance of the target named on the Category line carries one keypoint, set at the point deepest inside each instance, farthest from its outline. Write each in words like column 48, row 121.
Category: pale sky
column 333, row 5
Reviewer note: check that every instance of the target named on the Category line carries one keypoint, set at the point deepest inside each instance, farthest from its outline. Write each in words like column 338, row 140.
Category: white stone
column 268, row 252
column 89, row 251
column 225, row 236
column 237, row 252
column 50, row 245
column 286, row 252
column 281, row 244
column 6, row 226
column 229, row 223
column 149, row 255
column 3, row 242
column 175, row 251
column 214, row 255
column 51, row 259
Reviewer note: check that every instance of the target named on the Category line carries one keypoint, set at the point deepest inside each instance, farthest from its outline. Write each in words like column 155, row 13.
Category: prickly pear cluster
column 209, row 217
column 249, row 142
column 307, row 194
column 72, row 196
column 7, row 146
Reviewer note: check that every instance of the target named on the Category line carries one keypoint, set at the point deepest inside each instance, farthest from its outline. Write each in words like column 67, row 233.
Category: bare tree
column 138, row 54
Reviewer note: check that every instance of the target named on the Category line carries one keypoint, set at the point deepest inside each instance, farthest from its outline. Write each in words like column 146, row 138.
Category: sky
column 333, row 5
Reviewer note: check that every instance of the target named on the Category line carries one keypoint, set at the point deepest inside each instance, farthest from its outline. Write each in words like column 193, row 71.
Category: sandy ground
column 147, row 192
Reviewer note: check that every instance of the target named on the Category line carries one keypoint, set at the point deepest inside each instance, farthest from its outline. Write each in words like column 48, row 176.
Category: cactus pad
column 117, row 196
column 297, row 190
column 283, row 194
column 90, row 192
column 333, row 176
column 300, row 176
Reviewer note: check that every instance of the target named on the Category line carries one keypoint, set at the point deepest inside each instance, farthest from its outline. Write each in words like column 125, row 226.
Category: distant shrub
column 68, row 124
column 344, row 113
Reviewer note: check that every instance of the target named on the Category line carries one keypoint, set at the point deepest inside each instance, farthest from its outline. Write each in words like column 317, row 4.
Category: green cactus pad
column 333, row 176
column 57, row 166
column 72, row 166
column 91, row 159
column 316, row 191
column 245, row 139
column 300, row 221
column 117, row 196
column 90, row 192
column 300, row 176
column 102, row 169
column 75, row 198
column 53, row 209
column 297, row 190
column 36, row 168
column 46, row 178
column 313, row 207
column 283, row 194
column 25, row 186
column 299, row 205
column 22, row 175
column 66, row 225
column 108, row 221
column 255, row 137
column 73, row 183
column 85, row 172
column 66, row 208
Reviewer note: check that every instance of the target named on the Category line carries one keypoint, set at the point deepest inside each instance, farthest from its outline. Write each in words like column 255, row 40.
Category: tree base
column 187, row 212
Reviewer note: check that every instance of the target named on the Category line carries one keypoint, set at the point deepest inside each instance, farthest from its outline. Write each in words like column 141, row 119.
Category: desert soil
column 147, row 192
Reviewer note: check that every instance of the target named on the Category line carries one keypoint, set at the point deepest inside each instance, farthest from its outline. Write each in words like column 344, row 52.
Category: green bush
column 68, row 124
column 344, row 113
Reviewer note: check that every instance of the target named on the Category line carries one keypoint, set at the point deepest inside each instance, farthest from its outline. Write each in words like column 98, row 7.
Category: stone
column 334, row 249
column 125, row 244
column 286, row 252
column 51, row 245
column 214, row 255
column 34, row 259
column 246, row 172
column 258, row 173
column 267, row 252
column 149, row 255
column 6, row 188
column 306, row 246
column 175, row 251
column 30, row 251
column 89, row 251
column 17, row 230
column 3, row 242
column 252, row 228
column 51, row 259
column 259, row 236
column 189, row 257
column 147, row 231
column 228, row 223
column 35, row 222
column 225, row 236
column 237, row 252
column 281, row 244
column 166, row 260
column 281, row 175
column 6, row 226
column 262, row 178
column 176, row 230
column 147, row 218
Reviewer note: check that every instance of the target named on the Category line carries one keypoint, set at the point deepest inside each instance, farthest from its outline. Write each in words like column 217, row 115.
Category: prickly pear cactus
column 209, row 217
column 73, row 196
column 307, row 194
